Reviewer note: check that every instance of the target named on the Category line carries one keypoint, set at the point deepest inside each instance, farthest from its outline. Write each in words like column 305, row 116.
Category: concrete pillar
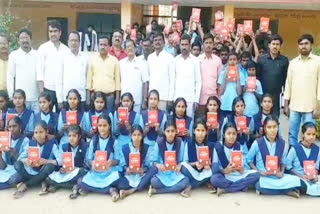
column 130, row 13
column 228, row 13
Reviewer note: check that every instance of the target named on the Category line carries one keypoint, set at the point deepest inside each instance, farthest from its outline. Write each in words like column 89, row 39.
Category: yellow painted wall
column 292, row 24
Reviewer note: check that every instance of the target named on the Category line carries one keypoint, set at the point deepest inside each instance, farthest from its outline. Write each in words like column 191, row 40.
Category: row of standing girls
column 155, row 138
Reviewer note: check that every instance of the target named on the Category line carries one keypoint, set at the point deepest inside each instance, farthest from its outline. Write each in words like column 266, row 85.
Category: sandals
column 186, row 192
column 114, row 194
column 21, row 189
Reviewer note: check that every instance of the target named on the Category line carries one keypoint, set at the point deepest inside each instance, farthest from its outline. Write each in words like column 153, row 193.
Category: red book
column 236, row 158
column 272, row 164
column 232, row 73
column 181, row 126
column 309, row 168
column 242, row 123
column 170, row 160
column 240, row 29
column 176, row 37
column 204, row 155
column 212, row 119
column 72, row 117
column 248, row 26
column 231, row 25
column 94, row 122
column 218, row 26
column 224, row 32
column 252, row 84
column 133, row 35
column 179, row 25
column 218, row 15
column 67, row 161
column 264, row 24
column 134, row 162
column 5, row 140
column 10, row 116
column 174, row 6
column 196, row 12
column 128, row 29
column 123, row 114
column 33, row 154
column 100, row 161
column 153, row 117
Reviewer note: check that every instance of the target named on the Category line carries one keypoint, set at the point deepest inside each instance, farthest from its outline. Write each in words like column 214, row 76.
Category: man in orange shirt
column 116, row 49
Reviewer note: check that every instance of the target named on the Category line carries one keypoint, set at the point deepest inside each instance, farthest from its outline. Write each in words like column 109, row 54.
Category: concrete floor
column 140, row 203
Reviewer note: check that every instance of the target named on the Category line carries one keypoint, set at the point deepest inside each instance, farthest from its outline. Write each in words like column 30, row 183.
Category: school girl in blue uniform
column 272, row 144
column 73, row 104
column 226, row 176
column 97, row 107
column 198, row 173
column 121, row 129
column 238, row 107
column 34, row 173
column 104, row 182
column 152, row 131
column 18, row 144
column 26, row 115
column 46, row 114
column 68, row 179
column 180, row 113
column 213, row 106
column 169, row 181
column 133, row 181
column 305, row 150
column 4, row 102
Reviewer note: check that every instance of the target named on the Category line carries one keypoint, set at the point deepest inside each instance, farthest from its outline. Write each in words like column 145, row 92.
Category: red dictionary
column 248, row 26
column 252, row 84
column 309, row 168
column 242, row 123
column 212, row 119
column 10, row 116
column 232, row 73
column 94, row 122
column 5, row 139
column 123, row 114
column 272, row 164
column 175, row 37
column 231, row 25
column 236, row 158
column 134, row 162
column 174, row 6
column 100, row 161
column 264, row 24
column 133, row 35
column 240, row 29
column 204, row 155
column 224, row 32
column 33, row 154
column 153, row 117
column 181, row 126
column 67, row 161
column 218, row 15
column 72, row 117
column 179, row 25
column 128, row 29
column 196, row 12
column 170, row 160
column 218, row 26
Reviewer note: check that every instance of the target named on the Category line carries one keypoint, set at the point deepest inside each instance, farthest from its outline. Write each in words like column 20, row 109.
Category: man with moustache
column 4, row 53
column 272, row 71
column 73, row 74
column 50, row 55
column 161, row 72
column 22, row 70
column 188, row 76
column 116, row 49
column 104, row 75
column 302, row 91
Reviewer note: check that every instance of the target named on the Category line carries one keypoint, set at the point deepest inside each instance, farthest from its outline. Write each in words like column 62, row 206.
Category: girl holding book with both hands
column 104, row 172
column 74, row 169
column 214, row 116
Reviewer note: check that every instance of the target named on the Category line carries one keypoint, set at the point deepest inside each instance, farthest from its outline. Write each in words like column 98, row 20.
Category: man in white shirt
column 161, row 72
column 134, row 76
column 22, row 71
column 73, row 74
column 188, row 76
column 50, row 55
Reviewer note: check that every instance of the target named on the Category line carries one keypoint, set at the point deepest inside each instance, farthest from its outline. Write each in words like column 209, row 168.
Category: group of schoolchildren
column 121, row 139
